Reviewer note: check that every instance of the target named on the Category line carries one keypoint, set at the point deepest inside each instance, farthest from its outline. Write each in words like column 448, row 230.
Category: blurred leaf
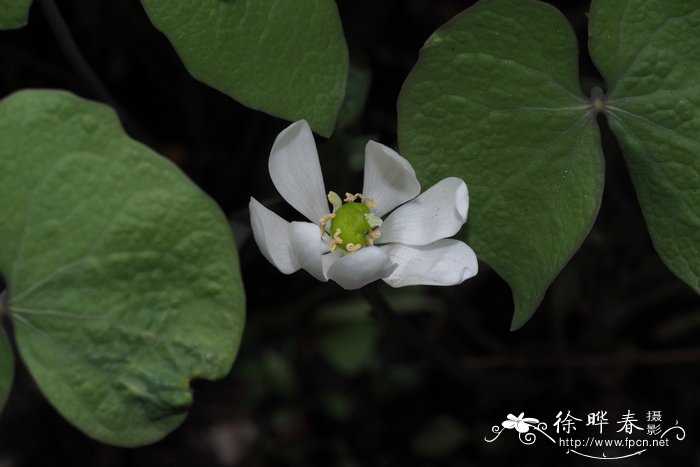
column 122, row 275
column 402, row 376
column 348, row 310
column 648, row 51
column 349, row 336
column 350, row 347
column 355, row 96
column 288, row 59
column 280, row 374
column 7, row 368
column 14, row 13
column 415, row 299
column 442, row 437
column 397, row 379
column 338, row 405
column 495, row 100
column 289, row 423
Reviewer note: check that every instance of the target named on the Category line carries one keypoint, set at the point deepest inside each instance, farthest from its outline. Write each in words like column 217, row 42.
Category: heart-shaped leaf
column 14, row 13
column 649, row 54
column 495, row 100
column 286, row 58
column 122, row 275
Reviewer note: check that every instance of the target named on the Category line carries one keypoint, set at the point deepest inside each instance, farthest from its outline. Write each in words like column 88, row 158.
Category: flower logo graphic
column 522, row 425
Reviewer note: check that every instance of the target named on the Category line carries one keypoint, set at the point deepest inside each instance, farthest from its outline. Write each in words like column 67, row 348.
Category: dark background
column 617, row 331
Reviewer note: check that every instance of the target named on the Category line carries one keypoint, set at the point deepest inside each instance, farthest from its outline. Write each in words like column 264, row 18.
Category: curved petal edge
column 444, row 262
column 389, row 178
column 308, row 248
column 271, row 233
column 361, row 268
column 437, row 213
column 296, row 171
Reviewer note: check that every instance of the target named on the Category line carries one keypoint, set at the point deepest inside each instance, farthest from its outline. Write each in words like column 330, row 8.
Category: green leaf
column 349, row 338
column 122, row 275
column 14, row 13
column 648, row 51
column 350, row 349
column 440, row 438
column 7, row 368
column 279, row 374
column 495, row 100
column 286, row 58
column 356, row 94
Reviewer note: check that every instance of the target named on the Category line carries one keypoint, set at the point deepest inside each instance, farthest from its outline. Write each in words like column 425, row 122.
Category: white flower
column 522, row 425
column 352, row 245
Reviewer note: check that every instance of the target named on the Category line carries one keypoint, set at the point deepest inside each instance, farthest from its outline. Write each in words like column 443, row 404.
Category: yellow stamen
column 349, row 197
column 350, row 247
column 324, row 220
column 335, row 200
column 336, row 240
column 372, row 235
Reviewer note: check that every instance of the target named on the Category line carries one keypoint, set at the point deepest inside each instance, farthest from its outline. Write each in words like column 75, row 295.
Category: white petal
column 271, row 234
column 444, row 262
column 389, row 178
column 329, row 258
column 509, row 424
column 296, row 171
column 308, row 247
column 437, row 213
column 522, row 427
column 360, row 268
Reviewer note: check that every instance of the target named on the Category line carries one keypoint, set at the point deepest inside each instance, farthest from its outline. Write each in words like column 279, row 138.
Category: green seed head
column 352, row 221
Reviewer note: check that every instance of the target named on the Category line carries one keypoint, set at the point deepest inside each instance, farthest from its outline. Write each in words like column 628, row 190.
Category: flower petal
column 308, row 247
column 271, row 234
column 437, row 213
column 360, row 268
column 389, row 178
column 509, row 424
column 522, row 427
column 444, row 262
column 329, row 258
column 296, row 171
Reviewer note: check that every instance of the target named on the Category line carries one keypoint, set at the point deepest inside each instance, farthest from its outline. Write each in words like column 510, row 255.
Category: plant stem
column 80, row 64
column 442, row 360
column 72, row 51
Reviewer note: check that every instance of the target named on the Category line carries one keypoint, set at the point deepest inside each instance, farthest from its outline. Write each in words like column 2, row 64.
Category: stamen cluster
column 351, row 225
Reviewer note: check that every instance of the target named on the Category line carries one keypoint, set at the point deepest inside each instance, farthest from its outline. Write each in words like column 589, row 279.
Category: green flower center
column 352, row 220
column 352, row 225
